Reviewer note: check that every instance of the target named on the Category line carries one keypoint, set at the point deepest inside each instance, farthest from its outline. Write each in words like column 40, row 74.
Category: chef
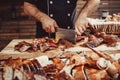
column 51, row 14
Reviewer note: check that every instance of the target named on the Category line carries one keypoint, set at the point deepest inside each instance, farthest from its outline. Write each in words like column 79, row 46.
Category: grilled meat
column 63, row 44
column 8, row 73
column 22, row 46
column 72, row 67
column 110, row 40
column 42, row 44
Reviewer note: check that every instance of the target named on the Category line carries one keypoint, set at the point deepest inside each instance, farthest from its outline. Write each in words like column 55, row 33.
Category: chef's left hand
column 81, row 24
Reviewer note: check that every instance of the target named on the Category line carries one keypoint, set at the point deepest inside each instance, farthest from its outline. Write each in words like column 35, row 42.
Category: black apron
column 62, row 11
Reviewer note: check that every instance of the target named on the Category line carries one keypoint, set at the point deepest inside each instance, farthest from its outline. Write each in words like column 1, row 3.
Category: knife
column 67, row 34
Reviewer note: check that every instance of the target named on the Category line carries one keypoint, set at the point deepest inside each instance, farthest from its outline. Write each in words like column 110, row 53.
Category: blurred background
column 14, row 24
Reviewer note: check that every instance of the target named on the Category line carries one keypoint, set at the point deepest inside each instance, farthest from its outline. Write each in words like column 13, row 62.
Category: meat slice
column 62, row 76
column 111, row 40
column 39, row 77
column 8, row 73
column 32, row 67
column 43, row 47
column 112, row 71
column 63, row 44
column 22, row 46
column 26, row 68
column 59, row 63
column 14, row 63
column 103, row 63
column 50, row 70
column 95, row 41
column 42, row 44
column 52, row 46
column 96, row 74
column 78, row 73
column 18, row 75
column 68, row 68
column 47, row 44
column 37, row 66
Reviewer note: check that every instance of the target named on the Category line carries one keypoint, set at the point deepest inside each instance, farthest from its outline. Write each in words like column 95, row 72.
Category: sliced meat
column 26, row 68
column 63, row 44
column 15, row 63
column 36, row 66
column 22, row 46
column 103, row 63
column 112, row 71
column 52, row 46
column 96, row 74
column 35, row 44
column 39, row 77
column 32, row 67
column 95, row 41
column 43, row 47
column 50, row 70
column 42, row 44
column 111, row 40
column 62, row 76
column 18, row 75
column 8, row 73
column 59, row 63
column 78, row 73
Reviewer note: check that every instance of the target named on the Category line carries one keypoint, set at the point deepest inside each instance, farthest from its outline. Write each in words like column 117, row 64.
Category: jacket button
column 51, row 2
column 51, row 15
column 68, row 27
column 68, row 1
column 68, row 14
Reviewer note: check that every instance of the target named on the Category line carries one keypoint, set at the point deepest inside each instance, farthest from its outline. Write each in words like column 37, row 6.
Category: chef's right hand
column 49, row 24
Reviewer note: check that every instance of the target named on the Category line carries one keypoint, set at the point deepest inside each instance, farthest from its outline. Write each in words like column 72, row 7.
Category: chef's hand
column 81, row 24
column 49, row 24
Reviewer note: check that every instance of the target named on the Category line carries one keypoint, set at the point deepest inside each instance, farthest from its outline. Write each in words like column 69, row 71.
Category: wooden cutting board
column 9, row 51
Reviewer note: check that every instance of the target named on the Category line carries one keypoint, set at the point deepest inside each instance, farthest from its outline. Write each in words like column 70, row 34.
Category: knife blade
column 68, row 34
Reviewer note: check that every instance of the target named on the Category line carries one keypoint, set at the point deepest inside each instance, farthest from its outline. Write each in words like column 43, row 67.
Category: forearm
column 33, row 11
column 89, row 7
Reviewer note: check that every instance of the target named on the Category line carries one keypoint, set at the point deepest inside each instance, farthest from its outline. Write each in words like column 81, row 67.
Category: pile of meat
column 45, row 44
column 102, row 38
column 42, row 44
column 72, row 67
column 113, row 18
